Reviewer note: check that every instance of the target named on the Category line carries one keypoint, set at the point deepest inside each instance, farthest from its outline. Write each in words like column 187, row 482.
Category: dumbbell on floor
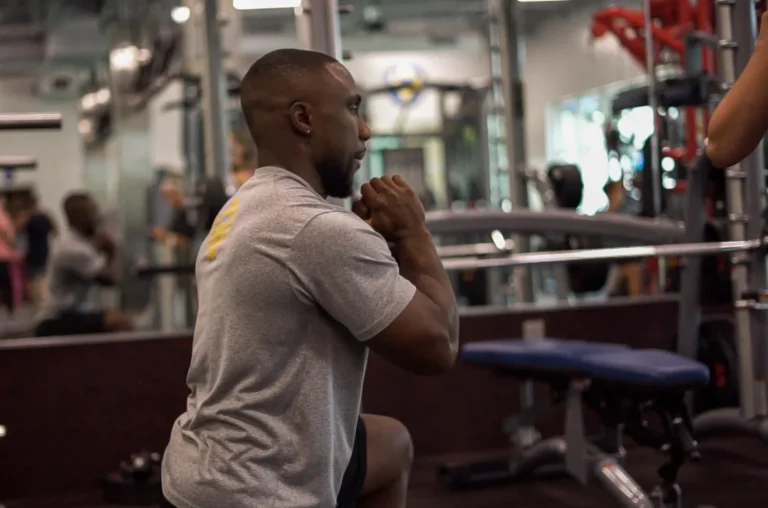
column 135, row 482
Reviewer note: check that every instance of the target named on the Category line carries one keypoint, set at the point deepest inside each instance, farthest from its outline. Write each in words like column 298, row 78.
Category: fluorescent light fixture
column 124, row 58
column 180, row 14
column 248, row 5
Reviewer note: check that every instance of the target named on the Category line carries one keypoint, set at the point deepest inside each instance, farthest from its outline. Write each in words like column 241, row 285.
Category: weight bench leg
column 622, row 487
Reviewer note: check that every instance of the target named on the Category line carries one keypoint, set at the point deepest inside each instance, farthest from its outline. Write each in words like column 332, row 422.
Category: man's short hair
column 74, row 202
column 276, row 73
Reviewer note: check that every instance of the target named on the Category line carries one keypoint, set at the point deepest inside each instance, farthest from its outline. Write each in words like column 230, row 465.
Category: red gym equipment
column 674, row 19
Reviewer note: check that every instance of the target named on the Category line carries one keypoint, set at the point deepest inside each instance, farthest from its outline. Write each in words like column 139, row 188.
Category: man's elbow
column 443, row 356
column 719, row 155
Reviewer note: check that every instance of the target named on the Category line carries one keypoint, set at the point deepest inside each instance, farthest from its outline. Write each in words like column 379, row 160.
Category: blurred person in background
column 38, row 229
column 83, row 259
column 626, row 278
column 182, row 229
column 10, row 280
column 243, row 158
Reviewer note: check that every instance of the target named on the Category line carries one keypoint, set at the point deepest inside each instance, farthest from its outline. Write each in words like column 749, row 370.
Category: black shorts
column 6, row 286
column 72, row 323
column 34, row 270
column 354, row 475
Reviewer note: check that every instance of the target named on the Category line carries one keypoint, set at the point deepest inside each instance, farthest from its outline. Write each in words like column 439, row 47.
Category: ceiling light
column 180, row 14
column 247, row 5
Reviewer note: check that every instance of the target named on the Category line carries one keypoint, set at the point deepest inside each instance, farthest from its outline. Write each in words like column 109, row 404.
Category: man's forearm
column 420, row 263
column 741, row 119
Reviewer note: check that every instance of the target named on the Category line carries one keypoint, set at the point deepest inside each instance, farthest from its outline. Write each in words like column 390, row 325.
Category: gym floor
column 733, row 473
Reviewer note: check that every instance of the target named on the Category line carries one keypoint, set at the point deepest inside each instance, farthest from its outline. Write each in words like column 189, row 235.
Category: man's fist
column 391, row 208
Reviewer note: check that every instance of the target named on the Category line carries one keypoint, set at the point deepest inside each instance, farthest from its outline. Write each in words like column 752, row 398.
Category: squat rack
column 737, row 33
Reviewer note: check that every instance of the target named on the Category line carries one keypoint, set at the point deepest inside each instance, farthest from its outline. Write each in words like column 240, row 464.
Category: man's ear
column 301, row 118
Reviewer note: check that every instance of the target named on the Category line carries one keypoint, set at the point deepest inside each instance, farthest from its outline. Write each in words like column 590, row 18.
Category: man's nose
column 364, row 131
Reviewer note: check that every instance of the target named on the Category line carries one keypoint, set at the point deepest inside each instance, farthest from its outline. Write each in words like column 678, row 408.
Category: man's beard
column 336, row 182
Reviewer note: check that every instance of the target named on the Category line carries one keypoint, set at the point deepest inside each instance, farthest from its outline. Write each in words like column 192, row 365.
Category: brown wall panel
column 75, row 407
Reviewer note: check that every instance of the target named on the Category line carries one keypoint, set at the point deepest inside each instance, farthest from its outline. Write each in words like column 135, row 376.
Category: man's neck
column 302, row 168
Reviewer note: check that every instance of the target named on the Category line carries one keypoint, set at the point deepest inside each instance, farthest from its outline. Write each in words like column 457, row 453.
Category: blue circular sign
column 406, row 82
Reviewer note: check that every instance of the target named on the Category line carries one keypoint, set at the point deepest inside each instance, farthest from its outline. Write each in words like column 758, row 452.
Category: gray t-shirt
column 290, row 287
column 72, row 268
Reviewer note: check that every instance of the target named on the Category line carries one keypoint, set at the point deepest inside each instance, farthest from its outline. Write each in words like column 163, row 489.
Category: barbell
column 14, row 162
column 30, row 121
column 450, row 251
column 609, row 254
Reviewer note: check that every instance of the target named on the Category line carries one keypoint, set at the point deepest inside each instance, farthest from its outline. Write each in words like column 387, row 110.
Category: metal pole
column 548, row 198
column 505, row 30
column 689, row 313
column 737, row 221
column 318, row 29
column 653, row 102
column 745, row 18
column 214, row 91
column 191, row 130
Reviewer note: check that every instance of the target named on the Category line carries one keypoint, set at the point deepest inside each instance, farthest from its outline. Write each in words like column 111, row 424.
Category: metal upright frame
column 737, row 28
column 653, row 102
column 507, row 89
column 214, row 105
column 318, row 27
column 744, row 19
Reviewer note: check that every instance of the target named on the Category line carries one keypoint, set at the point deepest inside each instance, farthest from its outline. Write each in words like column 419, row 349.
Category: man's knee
column 117, row 322
column 403, row 443
column 391, row 439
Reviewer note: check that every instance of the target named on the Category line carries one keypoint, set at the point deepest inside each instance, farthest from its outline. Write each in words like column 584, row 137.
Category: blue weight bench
column 623, row 386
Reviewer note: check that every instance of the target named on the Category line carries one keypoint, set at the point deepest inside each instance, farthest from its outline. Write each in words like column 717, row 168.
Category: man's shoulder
column 334, row 219
column 282, row 200
column 338, row 228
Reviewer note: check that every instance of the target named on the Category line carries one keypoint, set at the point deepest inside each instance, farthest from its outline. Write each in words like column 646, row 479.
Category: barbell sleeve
column 477, row 249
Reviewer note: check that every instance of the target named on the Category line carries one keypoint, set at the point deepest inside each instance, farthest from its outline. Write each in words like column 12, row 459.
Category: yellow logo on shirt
column 220, row 229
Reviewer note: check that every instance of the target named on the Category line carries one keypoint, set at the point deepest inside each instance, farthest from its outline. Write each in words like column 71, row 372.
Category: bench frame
column 580, row 456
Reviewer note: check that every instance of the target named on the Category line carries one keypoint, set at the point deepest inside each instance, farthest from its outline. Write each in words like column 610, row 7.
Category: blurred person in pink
column 11, row 279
